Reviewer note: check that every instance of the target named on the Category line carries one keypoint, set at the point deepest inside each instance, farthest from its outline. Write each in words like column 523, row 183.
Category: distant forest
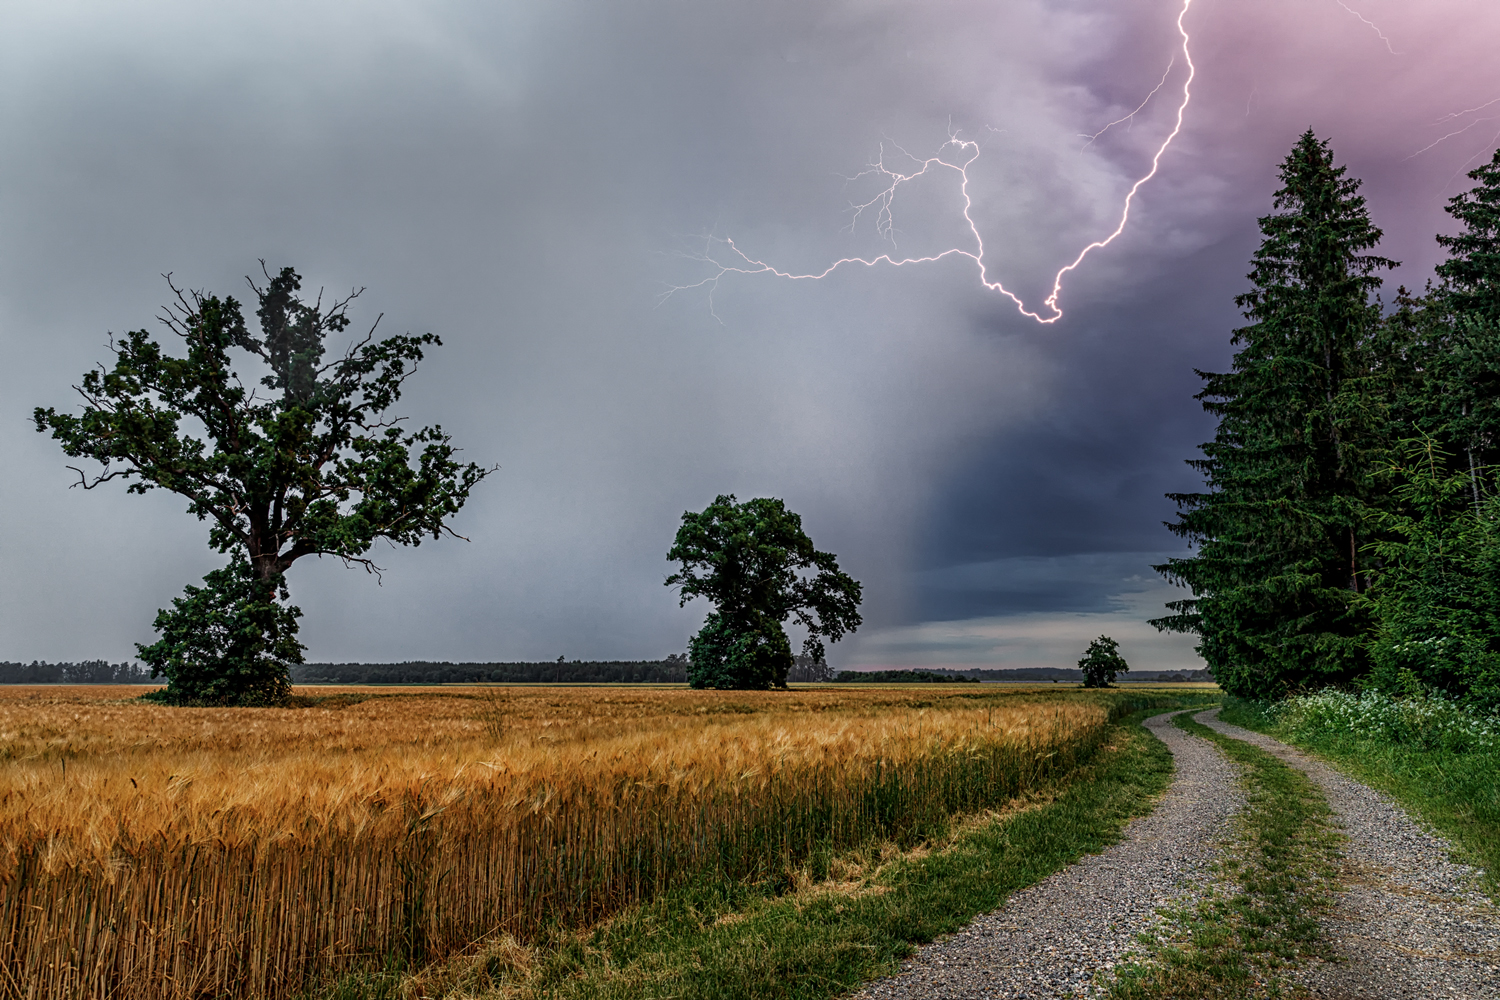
column 1028, row 675
column 672, row 670
column 87, row 672
column 902, row 677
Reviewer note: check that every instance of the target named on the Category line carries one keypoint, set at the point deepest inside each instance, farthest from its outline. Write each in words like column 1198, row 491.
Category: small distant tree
column 310, row 463
column 757, row 566
column 1102, row 662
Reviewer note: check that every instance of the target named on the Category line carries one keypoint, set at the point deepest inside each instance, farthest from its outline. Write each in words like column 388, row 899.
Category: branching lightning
column 1466, row 111
column 1460, row 131
column 1454, row 115
column 1375, row 27
column 727, row 258
column 1131, row 117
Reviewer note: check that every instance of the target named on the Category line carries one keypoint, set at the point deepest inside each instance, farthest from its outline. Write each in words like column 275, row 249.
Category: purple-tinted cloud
column 516, row 178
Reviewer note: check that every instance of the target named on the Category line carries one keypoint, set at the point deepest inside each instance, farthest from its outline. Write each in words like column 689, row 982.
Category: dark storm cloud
column 1045, row 515
column 515, row 176
column 1087, row 582
column 1088, row 473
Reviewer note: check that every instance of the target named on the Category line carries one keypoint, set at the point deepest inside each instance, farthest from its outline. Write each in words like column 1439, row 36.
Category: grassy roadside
column 729, row 940
column 1279, row 874
column 1457, row 793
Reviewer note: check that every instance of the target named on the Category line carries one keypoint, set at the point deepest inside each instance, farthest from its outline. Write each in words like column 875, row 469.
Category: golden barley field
column 148, row 851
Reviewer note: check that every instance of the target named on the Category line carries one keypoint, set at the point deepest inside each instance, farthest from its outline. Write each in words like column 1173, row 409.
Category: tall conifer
column 1440, row 351
column 1279, row 532
column 1436, row 601
column 1469, row 400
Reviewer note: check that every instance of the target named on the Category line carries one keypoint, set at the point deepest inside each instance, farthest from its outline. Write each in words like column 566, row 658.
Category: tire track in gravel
column 1050, row 939
column 1410, row 921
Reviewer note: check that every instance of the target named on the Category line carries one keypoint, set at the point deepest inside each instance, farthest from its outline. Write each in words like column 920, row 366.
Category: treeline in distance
column 672, row 670
column 87, row 672
column 902, row 677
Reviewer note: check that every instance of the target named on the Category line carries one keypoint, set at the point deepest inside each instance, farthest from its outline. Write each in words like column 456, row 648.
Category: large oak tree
column 305, row 460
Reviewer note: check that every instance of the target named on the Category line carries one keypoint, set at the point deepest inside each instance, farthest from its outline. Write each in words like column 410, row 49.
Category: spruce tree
column 1436, row 601
column 1280, row 529
column 1436, row 621
column 1468, row 369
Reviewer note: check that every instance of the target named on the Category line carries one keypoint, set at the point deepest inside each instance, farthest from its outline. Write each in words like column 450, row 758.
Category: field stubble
column 150, row 851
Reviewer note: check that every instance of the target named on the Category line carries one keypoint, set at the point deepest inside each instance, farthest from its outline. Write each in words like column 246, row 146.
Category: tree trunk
column 1473, row 475
column 1353, row 563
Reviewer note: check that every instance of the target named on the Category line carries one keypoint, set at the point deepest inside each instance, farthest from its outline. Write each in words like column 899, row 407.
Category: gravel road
column 1411, row 923
column 1049, row 940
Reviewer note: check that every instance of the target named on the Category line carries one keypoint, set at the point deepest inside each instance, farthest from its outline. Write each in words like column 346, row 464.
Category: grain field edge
column 816, row 938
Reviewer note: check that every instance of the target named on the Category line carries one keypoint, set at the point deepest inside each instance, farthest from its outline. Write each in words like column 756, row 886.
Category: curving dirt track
column 1410, row 922
column 1051, row 939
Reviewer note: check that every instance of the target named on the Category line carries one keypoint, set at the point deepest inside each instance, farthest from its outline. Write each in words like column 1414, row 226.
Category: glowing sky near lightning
column 724, row 258
column 524, row 179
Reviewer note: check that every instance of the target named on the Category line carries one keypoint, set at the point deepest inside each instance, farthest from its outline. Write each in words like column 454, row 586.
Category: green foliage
column 315, row 465
column 1439, row 760
column 757, row 566
column 749, row 651
column 1334, row 546
column 1101, row 662
column 1302, row 427
column 1436, row 601
column 1441, row 350
column 1472, row 270
column 226, row 643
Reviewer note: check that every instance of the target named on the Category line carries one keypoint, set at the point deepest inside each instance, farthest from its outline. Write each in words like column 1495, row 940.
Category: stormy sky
column 527, row 179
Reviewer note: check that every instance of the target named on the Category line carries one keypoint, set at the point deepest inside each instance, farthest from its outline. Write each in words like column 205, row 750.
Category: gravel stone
column 1051, row 939
column 1412, row 921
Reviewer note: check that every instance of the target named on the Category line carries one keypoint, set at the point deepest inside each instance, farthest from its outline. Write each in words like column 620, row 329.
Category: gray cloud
column 515, row 178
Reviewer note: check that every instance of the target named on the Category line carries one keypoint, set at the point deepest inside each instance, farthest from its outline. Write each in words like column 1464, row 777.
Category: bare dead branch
column 101, row 404
column 83, row 480
column 368, row 564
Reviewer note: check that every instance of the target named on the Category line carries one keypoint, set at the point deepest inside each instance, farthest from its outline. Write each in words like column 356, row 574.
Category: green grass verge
column 1279, row 872
column 1458, row 794
column 721, row 940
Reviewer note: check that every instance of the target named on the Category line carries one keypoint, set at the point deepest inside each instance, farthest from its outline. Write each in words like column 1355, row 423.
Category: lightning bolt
column 1453, row 115
column 1372, row 24
column 1455, row 132
column 1129, row 118
column 728, row 259
column 1466, row 111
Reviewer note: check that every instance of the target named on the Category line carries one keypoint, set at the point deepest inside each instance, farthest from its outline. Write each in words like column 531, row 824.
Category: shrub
column 1427, row 721
column 226, row 643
